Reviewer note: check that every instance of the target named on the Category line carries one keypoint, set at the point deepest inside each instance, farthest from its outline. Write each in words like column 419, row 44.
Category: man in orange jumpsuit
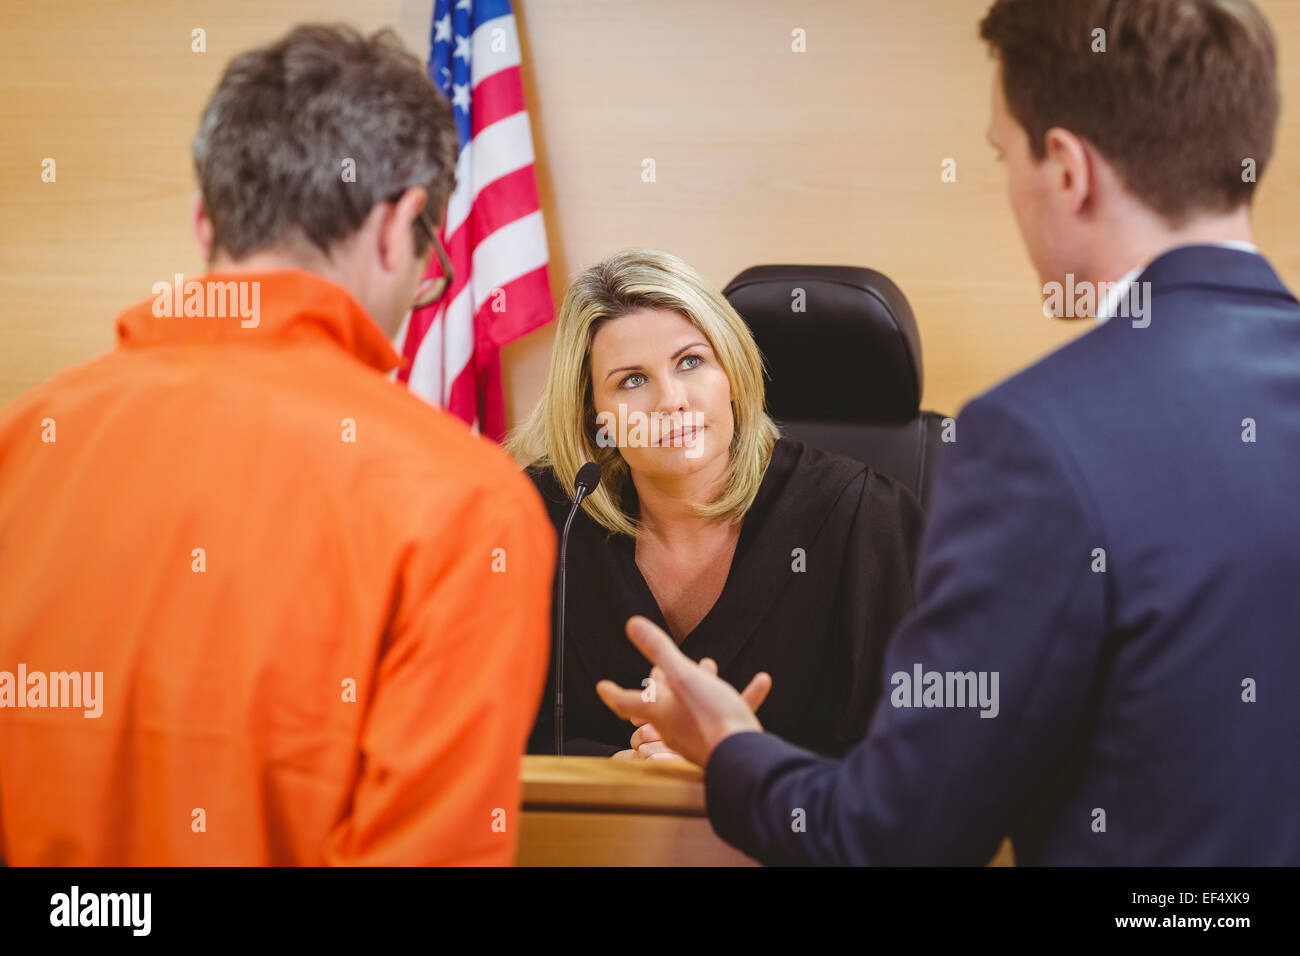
column 261, row 605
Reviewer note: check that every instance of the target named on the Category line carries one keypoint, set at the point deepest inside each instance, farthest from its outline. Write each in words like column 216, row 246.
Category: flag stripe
column 484, row 60
column 506, row 200
column 500, row 149
column 499, row 96
column 508, row 253
column 534, row 290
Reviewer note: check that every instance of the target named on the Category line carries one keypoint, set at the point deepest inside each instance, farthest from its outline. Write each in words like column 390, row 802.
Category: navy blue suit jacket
column 1147, row 713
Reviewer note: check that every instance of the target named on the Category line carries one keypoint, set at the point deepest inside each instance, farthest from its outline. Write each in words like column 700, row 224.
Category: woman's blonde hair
column 561, row 431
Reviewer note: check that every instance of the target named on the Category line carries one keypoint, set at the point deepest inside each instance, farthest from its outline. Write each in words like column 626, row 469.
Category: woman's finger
column 643, row 735
column 652, row 748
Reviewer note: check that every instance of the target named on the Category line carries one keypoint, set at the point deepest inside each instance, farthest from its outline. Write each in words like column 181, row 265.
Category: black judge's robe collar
column 799, row 488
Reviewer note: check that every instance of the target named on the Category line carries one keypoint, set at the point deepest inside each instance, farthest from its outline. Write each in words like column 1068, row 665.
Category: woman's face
column 660, row 394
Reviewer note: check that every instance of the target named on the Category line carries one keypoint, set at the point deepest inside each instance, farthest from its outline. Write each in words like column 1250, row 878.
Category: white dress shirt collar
column 1114, row 295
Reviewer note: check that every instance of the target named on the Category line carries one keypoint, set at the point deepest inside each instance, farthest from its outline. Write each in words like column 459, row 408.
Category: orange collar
column 255, row 307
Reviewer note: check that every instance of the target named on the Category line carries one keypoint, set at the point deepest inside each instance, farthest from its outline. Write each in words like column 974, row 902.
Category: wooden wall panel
column 763, row 155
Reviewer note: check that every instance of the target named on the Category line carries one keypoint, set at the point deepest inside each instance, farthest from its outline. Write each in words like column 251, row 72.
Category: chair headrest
column 852, row 355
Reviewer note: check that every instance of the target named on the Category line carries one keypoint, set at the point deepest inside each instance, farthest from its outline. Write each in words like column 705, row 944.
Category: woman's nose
column 672, row 399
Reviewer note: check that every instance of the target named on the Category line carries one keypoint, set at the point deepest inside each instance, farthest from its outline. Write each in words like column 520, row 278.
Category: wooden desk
column 593, row 811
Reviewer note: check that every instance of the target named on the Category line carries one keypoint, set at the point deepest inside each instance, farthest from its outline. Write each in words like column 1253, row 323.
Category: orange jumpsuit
column 319, row 606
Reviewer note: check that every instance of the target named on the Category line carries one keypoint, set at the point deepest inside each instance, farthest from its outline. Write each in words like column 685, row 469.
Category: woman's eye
column 694, row 359
column 624, row 383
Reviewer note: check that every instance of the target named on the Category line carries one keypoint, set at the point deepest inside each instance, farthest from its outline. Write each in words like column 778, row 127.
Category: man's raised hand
column 691, row 708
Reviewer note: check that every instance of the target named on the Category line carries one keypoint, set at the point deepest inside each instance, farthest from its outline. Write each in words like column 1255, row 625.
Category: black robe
column 822, row 573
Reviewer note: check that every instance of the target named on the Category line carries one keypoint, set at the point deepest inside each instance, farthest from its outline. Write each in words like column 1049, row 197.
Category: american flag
column 493, row 230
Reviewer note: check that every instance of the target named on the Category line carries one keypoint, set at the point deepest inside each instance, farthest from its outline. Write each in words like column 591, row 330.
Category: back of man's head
column 304, row 137
column 1179, row 96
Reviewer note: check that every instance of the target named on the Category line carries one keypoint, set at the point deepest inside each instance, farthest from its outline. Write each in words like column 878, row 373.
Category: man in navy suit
column 1103, row 657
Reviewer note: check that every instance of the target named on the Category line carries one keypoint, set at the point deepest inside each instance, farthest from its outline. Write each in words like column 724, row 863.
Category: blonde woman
column 748, row 548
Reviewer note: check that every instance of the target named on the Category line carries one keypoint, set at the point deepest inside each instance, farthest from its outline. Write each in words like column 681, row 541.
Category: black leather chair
column 846, row 370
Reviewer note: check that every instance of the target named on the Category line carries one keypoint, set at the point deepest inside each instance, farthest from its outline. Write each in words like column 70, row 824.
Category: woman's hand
column 646, row 743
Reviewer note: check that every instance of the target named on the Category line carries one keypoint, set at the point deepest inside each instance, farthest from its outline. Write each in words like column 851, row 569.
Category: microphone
column 586, row 482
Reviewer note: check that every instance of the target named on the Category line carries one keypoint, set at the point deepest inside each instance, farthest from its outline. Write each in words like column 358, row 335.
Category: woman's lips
column 682, row 436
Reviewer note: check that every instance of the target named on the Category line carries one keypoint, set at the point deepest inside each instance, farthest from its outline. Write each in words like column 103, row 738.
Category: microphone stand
column 588, row 478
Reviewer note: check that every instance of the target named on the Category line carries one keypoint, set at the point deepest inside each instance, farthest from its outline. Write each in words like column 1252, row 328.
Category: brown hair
column 303, row 137
column 1183, row 95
